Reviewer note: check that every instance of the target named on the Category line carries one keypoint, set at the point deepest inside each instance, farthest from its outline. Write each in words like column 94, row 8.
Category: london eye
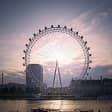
column 62, row 30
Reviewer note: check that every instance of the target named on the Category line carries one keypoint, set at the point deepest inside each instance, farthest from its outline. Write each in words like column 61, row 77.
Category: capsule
column 24, row 51
column 58, row 26
column 52, row 26
column 90, row 54
column 76, row 33
column 34, row 34
column 26, row 45
column 90, row 61
column 85, row 42
column 39, row 30
column 65, row 27
column 88, row 48
column 71, row 29
column 23, row 64
column 45, row 28
column 30, row 39
column 82, row 37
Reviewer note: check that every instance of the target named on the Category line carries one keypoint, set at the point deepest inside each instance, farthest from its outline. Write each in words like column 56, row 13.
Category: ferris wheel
column 65, row 30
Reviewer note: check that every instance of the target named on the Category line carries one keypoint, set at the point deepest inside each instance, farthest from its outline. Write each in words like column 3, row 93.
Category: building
column 91, row 88
column 12, row 88
column 107, row 87
column 34, row 76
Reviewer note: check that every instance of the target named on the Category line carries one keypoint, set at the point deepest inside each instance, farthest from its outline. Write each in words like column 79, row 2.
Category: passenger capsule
column 90, row 54
column 71, row 29
column 34, row 34
column 90, row 61
column 65, row 27
column 85, row 42
column 24, row 51
column 76, row 33
column 23, row 64
column 58, row 26
column 81, row 37
column 39, row 30
column 45, row 28
column 52, row 26
column 30, row 39
column 26, row 45
column 88, row 48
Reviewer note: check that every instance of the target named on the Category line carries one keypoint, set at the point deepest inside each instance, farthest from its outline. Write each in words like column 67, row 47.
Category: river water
column 66, row 105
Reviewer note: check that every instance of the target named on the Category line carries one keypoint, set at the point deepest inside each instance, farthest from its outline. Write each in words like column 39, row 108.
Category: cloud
column 104, row 70
column 14, row 77
column 95, row 25
column 89, row 21
column 80, row 23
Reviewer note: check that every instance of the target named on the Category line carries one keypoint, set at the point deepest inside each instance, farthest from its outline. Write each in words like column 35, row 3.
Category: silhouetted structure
column 34, row 76
column 91, row 88
column 12, row 89
column 2, row 78
column 57, row 69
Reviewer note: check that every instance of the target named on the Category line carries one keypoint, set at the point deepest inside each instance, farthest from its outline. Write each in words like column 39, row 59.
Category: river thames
column 65, row 105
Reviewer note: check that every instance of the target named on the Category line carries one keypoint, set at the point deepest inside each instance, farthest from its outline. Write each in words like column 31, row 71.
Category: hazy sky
column 19, row 19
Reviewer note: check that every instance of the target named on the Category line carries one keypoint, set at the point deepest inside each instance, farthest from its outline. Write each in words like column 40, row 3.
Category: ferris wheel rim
column 70, row 32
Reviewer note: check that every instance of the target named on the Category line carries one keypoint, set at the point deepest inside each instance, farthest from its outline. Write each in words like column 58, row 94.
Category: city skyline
column 20, row 19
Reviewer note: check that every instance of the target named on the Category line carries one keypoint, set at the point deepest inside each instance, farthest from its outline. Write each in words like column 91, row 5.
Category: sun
column 59, row 56
column 56, row 46
column 63, row 56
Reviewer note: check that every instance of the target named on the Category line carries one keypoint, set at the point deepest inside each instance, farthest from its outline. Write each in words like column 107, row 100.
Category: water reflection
column 65, row 105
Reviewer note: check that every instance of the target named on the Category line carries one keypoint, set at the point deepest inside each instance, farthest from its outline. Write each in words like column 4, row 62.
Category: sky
column 19, row 19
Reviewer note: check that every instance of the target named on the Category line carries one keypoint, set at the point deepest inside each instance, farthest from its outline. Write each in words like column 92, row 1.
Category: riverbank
column 53, row 97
